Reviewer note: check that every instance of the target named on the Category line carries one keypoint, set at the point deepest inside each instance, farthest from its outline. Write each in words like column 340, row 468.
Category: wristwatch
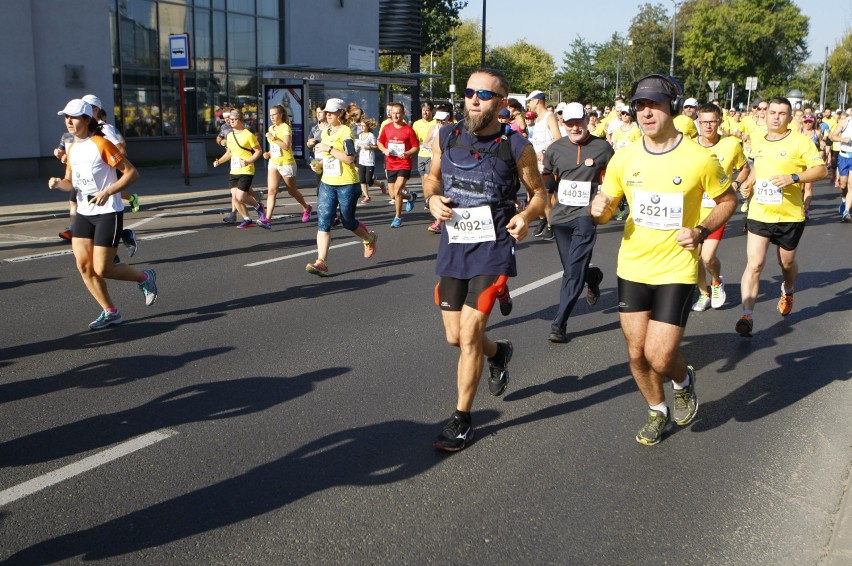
column 703, row 231
column 795, row 178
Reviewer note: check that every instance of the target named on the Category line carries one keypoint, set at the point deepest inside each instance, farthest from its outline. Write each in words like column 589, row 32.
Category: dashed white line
column 300, row 254
column 66, row 472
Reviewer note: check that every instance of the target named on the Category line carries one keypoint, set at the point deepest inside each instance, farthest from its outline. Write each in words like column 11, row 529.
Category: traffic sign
column 751, row 83
column 179, row 52
column 713, row 85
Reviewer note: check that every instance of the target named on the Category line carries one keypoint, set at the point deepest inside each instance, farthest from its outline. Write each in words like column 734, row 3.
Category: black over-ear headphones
column 673, row 90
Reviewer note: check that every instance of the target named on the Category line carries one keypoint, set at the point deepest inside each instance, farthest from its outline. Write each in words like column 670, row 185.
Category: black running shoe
column 456, row 434
column 542, row 226
column 505, row 300
column 558, row 337
column 499, row 378
column 548, row 234
column 594, row 276
column 128, row 238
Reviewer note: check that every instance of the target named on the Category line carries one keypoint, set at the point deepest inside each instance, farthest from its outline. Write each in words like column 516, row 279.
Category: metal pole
column 674, row 31
column 618, row 69
column 431, row 72
column 824, row 76
column 482, row 54
column 453, row 67
column 183, row 129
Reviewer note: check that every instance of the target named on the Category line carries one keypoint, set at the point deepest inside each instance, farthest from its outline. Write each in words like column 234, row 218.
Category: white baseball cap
column 536, row 94
column 442, row 115
column 334, row 105
column 690, row 102
column 573, row 111
column 93, row 100
column 77, row 107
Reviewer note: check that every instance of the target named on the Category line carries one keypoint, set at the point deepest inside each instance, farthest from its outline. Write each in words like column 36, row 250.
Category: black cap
column 654, row 88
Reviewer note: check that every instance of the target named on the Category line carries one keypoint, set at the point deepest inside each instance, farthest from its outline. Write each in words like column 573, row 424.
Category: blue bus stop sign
column 179, row 52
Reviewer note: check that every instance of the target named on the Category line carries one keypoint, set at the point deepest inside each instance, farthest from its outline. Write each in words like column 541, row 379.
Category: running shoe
column 686, row 401
column 383, row 187
column 317, row 268
column 846, row 218
column 456, row 434
column 370, row 245
column 594, row 277
column 744, row 207
column 134, row 203
column 744, row 325
column 230, row 218
column 149, row 287
column 409, row 204
column 264, row 223
column 499, row 378
column 396, row 222
column 702, row 304
column 336, row 220
column 435, row 227
column 785, row 304
column 548, row 235
column 652, row 432
column 542, row 226
column 365, row 200
column 247, row 223
column 306, row 214
column 717, row 294
column 128, row 238
column 67, row 234
column 841, row 210
column 622, row 214
column 261, row 211
column 116, row 260
column 505, row 300
column 106, row 319
column 558, row 337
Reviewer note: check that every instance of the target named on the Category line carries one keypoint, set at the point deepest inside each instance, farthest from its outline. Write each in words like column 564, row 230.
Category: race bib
column 471, row 226
column 396, row 148
column 707, row 202
column 660, row 211
column 235, row 163
column 767, row 193
column 574, row 193
column 274, row 149
column 331, row 166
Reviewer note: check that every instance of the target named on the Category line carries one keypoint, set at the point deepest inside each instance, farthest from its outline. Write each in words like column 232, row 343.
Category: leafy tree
column 468, row 44
column 578, row 80
column 526, row 66
column 839, row 70
column 651, row 33
column 729, row 40
column 439, row 17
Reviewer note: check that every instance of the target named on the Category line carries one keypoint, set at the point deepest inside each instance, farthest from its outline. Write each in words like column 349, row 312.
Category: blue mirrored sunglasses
column 481, row 93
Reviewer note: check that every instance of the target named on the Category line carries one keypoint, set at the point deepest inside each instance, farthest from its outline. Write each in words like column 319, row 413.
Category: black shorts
column 104, row 229
column 785, row 235
column 392, row 175
column 478, row 293
column 366, row 174
column 667, row 303
column 242, row 182
column 834, row 157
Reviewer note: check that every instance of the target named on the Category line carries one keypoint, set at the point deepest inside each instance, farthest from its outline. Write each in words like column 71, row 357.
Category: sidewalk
column 30, row 199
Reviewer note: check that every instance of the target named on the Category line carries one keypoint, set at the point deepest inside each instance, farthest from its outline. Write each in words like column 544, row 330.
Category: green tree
column 468, row 38
column 651, row 33
column 839, row 70
column 729, row 40
column 439, row 17
column 578, row 80
column 526, row 66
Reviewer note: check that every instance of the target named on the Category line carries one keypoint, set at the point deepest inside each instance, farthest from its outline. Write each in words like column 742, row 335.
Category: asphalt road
column 256, row 414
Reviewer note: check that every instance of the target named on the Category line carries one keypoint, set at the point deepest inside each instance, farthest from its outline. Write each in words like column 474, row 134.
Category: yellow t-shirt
column 622, row 138
column 421, row 129
column 599, row 131
column 685, row 125
column 793, row 153
column 247, row 140
column 666, row 188
column 278, row 156
column 832, row 123
column 729, row 151
column 755, row 133
column 334, row 171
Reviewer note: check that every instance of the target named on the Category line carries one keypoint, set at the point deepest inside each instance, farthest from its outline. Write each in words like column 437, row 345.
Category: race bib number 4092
column 471, row 226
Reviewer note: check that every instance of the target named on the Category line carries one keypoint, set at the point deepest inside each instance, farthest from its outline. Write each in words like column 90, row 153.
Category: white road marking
column 300, row 254
column 536, row 284
column 68, row 252
column 66, row 472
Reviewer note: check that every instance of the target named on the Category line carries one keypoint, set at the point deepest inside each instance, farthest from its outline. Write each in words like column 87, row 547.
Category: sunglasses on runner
column 481, row 93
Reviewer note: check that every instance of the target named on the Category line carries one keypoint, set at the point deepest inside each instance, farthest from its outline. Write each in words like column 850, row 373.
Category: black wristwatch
column 704, row 232
column 795, row 178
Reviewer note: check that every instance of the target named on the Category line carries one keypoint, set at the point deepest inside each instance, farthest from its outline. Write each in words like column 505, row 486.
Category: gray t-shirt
column 584, row 162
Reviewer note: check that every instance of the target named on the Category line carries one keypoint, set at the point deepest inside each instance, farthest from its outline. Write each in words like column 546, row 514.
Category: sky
column 507, row 21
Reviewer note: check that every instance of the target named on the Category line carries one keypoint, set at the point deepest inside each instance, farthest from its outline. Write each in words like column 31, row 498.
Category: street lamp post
column 674, row 31
column 482, row 53
column 618, row 67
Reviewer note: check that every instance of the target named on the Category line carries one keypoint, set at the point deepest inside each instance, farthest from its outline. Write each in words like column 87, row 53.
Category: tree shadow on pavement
column 371, row 455
column 200, row 402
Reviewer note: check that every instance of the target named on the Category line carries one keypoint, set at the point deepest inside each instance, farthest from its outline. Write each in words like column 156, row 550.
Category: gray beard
column 476, row 123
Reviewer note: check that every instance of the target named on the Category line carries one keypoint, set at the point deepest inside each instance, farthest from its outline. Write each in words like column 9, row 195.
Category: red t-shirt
column 398, row 140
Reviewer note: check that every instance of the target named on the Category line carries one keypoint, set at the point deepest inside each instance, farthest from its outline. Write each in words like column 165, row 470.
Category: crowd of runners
column 671, row 169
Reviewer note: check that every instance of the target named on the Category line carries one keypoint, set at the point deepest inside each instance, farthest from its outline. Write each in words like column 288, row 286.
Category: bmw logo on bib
column 465, row 214
column 655, row 199
column 677, row 180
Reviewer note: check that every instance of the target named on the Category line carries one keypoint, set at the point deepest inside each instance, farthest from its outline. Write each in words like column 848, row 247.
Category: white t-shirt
column 91, row 163
column 366, row 157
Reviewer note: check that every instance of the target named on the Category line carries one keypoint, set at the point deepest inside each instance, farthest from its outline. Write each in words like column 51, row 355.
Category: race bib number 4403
column 660, row 211
column 574, row 193
column 471, row 226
